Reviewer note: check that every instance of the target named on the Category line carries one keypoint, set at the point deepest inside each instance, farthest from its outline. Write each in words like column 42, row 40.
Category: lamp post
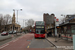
column 17, row 13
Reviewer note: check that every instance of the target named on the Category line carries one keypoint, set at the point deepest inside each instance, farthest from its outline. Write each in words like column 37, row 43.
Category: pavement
column 61, row 44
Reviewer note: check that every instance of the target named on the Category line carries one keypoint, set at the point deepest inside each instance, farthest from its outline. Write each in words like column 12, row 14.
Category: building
column 49, row 20
column 13, row 26
column 66, row 29
column 70, row 18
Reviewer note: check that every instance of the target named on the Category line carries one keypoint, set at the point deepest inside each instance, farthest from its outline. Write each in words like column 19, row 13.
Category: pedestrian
column 59, row 35
column 47, row 34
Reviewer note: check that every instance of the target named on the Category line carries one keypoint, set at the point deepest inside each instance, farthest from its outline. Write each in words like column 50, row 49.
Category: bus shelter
column 52, row 30
column 67, row 30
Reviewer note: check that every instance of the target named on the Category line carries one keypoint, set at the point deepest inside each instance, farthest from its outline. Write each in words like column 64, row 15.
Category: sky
column 34, row 9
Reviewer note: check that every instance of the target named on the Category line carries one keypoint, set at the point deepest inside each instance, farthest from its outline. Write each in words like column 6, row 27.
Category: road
column 39, row 43
column 27, row 42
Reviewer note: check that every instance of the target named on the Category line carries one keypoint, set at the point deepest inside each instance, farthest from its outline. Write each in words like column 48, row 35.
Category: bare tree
column 4, row 20
column 62, row 20
column 30, row 22
column 7, row 19
column 1, row 22
column 1, row 19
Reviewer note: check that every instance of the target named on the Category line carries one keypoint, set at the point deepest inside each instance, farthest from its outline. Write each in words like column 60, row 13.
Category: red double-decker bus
column 39, row 29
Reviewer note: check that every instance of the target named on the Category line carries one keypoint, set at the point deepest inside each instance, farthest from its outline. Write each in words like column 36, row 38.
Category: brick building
column 49, row 20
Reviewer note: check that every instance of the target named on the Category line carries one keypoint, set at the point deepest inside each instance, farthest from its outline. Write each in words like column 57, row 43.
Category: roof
column 67, row 24
column 62, row 25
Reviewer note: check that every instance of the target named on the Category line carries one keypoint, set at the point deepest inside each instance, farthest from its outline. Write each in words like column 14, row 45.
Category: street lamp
column 17, row 13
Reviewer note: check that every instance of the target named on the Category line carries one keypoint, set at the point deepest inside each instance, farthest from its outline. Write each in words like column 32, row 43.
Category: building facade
column 13, row 26
column 49, row 20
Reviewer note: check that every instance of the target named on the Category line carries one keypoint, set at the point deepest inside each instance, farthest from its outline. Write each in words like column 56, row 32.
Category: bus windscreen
column 40, row 31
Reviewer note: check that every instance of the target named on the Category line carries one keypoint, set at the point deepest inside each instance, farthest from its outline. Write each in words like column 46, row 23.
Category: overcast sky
column 34, row 9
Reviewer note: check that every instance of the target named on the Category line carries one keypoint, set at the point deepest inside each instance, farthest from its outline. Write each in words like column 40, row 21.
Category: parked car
column 10, row 32
column 4, row 33
column 14, row 32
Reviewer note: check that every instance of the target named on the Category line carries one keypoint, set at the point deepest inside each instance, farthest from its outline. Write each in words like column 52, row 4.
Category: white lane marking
column 7, row 43
column 4, row 46
column 15, row 40
column 28, row 47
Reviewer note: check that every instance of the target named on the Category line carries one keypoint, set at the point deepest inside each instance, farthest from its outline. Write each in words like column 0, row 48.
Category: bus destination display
column 39, row 26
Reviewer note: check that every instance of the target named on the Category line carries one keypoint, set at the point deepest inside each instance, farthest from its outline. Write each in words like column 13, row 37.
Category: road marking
column 4, row 46
column 15, row 40
column 7, row 43
column 28, row 47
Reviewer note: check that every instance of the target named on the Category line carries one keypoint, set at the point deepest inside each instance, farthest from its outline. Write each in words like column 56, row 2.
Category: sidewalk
column 61, row 44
